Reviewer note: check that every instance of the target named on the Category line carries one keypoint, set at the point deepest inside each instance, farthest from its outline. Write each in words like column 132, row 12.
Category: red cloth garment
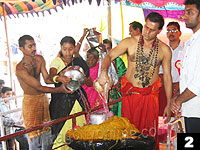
column 141, row 106
column 162, row 101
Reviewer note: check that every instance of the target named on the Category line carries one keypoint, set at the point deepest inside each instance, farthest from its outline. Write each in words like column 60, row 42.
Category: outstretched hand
column 167, row 114
column 102, row 47
column 85, row 31
column 62, row 73
column 176, row 105
column 64, row 79
column 103, row 80
column 65, row 90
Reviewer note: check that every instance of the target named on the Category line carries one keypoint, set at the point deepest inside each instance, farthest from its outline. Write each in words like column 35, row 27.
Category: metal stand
column 177, row 124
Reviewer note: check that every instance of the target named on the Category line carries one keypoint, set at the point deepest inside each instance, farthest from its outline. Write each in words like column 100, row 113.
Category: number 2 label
column 189, row 140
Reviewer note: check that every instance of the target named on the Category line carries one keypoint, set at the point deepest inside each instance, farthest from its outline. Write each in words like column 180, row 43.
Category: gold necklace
column 143, row 63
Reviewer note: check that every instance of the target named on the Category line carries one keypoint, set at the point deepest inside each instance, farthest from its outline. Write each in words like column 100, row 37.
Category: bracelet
column 54, row 78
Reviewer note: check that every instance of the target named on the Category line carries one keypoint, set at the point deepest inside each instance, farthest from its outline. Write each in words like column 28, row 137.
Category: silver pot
column 77, row 78
column 98, row 117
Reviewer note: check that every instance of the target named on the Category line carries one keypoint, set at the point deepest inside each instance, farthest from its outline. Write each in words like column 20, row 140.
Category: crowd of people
column 153, row 77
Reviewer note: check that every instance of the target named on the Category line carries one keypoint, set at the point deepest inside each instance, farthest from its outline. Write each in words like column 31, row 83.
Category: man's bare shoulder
column 20, row 69
column 164, row 48
column 130, row 39
column 39, row 58
column 128, row 42
column 163, row 45
column 19, row 65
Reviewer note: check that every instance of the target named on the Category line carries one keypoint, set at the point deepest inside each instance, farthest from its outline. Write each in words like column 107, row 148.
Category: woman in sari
column 61, row 104
column 92, row 62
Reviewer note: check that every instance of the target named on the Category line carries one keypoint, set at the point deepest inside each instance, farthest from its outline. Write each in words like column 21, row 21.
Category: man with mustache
column 35, row 107
column 176, row 46
column 140, row 84
column 188, row 101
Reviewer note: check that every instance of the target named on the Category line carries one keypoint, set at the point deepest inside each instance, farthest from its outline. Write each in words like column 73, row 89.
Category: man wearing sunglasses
column 176, row 46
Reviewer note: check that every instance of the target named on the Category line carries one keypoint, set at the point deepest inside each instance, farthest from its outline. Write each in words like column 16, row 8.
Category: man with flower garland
column 141, row 83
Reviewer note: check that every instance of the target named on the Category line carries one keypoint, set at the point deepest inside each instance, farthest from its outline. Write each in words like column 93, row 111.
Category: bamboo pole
column 123, row 56
column 109, row 20
column 122, row 19
column 7, row 43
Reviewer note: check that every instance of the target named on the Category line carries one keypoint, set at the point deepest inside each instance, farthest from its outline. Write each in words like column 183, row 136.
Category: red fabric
column 141, row 107
column 162, row 101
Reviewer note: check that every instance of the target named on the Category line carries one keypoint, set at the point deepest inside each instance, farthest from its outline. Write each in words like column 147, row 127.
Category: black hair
column 94, row 52
column 157, row 18
column 106, row 41
column 136, row 25
column 22, row 40
column 173, row 23
column 2, row 82
column 5, row 89
column 67, row 39
column 191, row 2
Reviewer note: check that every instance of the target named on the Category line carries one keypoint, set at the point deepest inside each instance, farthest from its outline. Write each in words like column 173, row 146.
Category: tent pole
column 123, row 56
column 109, row 20
column 7, row 43
column 122, row 19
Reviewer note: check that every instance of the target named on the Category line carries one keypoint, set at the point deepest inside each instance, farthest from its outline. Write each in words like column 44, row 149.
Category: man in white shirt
column 176, row 46
column 189, row 99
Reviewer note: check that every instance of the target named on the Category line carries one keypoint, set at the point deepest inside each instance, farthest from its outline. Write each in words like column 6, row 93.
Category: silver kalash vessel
column 77, row 77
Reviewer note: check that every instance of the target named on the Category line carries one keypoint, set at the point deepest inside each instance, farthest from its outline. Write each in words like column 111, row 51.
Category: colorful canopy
column 156, row 4
column 168, row 8
column 16, row 7
column 14, row 1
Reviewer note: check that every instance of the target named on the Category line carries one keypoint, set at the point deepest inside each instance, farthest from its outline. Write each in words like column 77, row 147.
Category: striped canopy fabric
column 167, row 8
column 16, row 7
column 156, row 4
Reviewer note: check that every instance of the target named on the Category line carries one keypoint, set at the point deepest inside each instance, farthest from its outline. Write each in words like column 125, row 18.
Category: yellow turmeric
column 115, row 128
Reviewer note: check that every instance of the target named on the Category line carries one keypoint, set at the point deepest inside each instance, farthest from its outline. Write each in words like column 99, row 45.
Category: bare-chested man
column 35, row 106
column 140, row 85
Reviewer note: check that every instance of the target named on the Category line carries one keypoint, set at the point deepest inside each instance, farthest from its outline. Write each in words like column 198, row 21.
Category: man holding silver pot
column 140, row 85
